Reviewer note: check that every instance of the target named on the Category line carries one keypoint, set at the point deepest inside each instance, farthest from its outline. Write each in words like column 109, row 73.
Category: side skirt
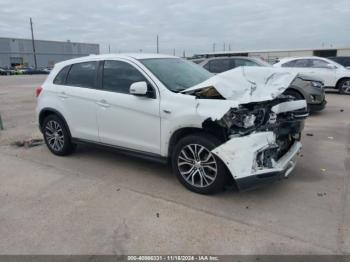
column 126, row 151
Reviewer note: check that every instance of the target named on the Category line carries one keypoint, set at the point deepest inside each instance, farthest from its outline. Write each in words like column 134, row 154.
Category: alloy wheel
column 54, row 135
column 346, row 87
column 197, row 165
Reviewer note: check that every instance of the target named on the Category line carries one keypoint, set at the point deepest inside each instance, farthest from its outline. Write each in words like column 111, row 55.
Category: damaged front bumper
column 241, row 156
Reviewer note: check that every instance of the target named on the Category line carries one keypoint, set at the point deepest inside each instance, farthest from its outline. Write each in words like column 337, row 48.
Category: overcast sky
column 191, row 25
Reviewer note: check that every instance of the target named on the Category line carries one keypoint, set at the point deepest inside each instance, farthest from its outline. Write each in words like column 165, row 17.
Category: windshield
column 175, row 73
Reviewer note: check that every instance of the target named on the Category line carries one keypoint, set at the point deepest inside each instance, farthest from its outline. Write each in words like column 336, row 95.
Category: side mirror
column 138, row 88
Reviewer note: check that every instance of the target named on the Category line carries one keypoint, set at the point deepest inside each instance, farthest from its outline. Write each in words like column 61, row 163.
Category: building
column 273, row 55
column 18, row 52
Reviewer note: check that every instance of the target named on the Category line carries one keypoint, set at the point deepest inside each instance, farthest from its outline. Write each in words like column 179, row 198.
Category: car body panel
column 251, row 84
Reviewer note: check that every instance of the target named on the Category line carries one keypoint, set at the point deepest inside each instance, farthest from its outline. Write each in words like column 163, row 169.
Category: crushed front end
column 263, row 140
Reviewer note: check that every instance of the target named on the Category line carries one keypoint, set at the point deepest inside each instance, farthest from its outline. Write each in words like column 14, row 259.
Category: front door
column 126, row 120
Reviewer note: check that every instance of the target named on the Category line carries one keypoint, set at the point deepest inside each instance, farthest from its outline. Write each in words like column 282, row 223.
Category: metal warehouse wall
column 47, row 52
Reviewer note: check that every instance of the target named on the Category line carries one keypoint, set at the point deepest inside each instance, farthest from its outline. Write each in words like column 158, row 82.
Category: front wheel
column 344, row 86
column 196, row 167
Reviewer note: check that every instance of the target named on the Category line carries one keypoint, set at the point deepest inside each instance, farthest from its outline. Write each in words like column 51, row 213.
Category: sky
column 193, row 26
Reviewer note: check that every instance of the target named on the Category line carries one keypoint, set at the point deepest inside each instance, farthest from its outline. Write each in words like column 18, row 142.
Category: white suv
column 333, row 74
column 232, row 126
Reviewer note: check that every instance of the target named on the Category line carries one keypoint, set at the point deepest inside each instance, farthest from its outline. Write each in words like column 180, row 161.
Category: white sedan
column 333, row 74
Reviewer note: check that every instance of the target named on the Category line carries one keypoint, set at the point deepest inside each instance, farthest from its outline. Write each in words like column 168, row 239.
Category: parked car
column 6, row 71
column 334, row 75
column 305, row 87
column 3, row 71
column 35, row 71
column 343, row 60
column 235, row 126
column 47, row 70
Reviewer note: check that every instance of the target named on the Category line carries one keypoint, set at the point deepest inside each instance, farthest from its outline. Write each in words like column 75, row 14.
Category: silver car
column 303, row 87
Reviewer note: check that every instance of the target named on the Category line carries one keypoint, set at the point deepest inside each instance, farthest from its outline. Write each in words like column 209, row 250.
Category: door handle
column 103, row 103
column 63, row 95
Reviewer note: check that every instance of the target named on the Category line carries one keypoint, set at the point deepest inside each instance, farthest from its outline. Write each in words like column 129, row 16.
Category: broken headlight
column 244, row 119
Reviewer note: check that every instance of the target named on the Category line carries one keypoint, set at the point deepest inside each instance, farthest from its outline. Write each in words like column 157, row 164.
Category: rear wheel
column 56, row 136
column 344, row 86
column 196, row 167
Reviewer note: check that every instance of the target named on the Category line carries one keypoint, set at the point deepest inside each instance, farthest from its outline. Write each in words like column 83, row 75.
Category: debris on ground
column 341, row 110
column 320, row 194
column 309, row 134
column 157, row 214
column 323, row 169
column 330, row 137
column 28, row 143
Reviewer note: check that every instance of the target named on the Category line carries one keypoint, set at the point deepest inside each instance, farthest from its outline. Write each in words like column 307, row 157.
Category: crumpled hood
column 248, row 84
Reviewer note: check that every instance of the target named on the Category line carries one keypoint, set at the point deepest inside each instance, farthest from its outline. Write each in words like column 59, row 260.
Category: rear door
column 79, row 97
column 126, row 120
column 323, row 70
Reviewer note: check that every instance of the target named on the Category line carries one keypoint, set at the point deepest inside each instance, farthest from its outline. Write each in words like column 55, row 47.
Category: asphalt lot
column 102, row 202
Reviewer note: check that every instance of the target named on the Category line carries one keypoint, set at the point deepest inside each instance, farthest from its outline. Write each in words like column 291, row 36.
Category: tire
column 344, row 86
column 204, row 179
column 56, row 136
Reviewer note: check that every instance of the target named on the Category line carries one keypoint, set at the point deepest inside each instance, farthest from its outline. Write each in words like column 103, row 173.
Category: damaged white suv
column 236, row 125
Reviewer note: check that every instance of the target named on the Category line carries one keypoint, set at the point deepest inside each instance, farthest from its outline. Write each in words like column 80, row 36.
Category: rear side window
column 82, row 75
column 118, row 76
column 60, row 78
column 317, row 63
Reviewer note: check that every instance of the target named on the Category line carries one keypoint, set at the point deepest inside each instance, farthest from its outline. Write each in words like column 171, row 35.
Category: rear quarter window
column 82, row 75
column 60, row 78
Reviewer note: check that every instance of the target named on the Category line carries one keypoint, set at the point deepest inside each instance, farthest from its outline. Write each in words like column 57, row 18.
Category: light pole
column 33, row 43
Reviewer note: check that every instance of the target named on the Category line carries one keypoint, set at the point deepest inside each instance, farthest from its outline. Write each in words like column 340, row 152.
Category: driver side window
column 118, row 76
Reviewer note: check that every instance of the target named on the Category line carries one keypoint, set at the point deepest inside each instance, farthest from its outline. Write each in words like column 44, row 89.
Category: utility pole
column 34, row 53
column 214, row 47
column 157, row 44
column 174, row 52
column 109, row 49
column 1, row 125
column 224, row 47
column 229, row 47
